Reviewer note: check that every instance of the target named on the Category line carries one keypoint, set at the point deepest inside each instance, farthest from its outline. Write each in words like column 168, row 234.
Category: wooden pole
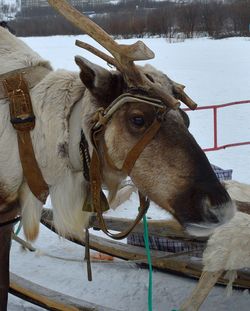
column 201, row 291
column 5, row 243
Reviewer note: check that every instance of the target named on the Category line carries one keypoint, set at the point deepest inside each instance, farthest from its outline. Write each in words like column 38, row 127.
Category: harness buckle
column 21, row 113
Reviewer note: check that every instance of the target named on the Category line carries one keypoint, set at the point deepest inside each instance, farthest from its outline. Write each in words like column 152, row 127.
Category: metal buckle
column 21, row 112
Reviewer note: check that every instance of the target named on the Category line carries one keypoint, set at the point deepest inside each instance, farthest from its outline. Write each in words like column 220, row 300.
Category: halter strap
column 99, row 200
column 97, row 132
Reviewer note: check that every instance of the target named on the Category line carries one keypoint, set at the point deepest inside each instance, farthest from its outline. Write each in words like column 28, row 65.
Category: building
column 44, row 3
column 33, row 3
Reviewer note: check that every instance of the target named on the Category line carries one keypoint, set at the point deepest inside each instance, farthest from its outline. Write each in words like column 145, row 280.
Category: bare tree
column 187, row 17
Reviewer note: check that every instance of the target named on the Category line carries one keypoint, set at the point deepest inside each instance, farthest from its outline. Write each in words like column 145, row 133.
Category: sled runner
column 49, row 299
column 183, row 263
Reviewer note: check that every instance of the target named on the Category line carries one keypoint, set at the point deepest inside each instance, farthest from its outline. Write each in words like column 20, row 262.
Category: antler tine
column 182, row 96
column 137, row 51
column 180, row 85
column 171, row 101
column 124, row 55
column 110, row 60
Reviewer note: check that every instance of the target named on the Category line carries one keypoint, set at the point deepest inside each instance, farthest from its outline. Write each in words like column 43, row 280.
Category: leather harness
column 96, row 201
column 15, row 87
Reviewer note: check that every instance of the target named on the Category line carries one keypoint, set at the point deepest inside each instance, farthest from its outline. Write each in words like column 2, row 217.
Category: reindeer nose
column 213, row 216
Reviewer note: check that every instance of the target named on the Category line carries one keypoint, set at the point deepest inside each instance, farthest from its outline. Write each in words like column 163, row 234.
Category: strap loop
column 144, row 205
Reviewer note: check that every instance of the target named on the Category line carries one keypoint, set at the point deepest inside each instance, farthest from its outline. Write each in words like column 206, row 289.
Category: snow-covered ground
column 214, row 72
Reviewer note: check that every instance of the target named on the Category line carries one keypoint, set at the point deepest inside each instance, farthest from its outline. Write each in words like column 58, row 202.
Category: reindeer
column 132, row 124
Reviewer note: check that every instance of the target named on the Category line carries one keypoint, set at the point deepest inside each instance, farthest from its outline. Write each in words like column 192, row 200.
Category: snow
column 214, row 72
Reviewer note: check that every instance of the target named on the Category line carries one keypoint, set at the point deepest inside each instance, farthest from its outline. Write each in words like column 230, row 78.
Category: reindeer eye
column 138, row 121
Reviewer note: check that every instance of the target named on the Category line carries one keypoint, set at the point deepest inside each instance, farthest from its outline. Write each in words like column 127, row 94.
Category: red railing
column 215, row 118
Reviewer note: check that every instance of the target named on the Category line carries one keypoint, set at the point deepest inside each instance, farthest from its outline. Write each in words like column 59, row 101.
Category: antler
column 123, row 55
column 181, row 95
column 110, row 60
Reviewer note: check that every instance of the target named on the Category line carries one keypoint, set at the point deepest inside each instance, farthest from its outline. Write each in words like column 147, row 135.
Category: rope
column 150, row 285
column 19, row 227
column 146, row 241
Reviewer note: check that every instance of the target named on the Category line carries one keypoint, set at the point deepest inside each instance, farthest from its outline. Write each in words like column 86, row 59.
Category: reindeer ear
column 100, row 82
column 185, row 117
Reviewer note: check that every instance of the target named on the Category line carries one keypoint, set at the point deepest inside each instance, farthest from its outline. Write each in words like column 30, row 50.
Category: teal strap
column 146, row 241
column 18, row 228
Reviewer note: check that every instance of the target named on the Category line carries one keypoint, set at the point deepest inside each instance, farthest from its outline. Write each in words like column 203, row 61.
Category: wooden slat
column 49, row 299
column 163, row 228
column 182, row 264
column 243, row 206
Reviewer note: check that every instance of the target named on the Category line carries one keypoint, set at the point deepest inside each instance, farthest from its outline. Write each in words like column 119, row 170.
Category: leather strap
column 101, row 118
column 135, row 152
column 23, row 120
column 143, row 207
column 32, row 75
column 98, row 198
column 31, row 170
column 10, row 222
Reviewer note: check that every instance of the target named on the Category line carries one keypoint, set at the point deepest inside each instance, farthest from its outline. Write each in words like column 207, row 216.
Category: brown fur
column 172, row 170
column 188, row 176
column 8, row 202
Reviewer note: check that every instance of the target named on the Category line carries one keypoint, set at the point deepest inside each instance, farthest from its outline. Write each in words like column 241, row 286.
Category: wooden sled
column 49, row 299
column 178, row 263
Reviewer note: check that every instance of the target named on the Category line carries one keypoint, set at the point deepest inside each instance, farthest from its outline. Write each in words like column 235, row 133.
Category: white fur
column 228, row 250
column 123, row 195
column 16, row 54
column 67, row 198
column 238, row 191
column 53, row 100
column 229, row 247
column 223, row 213
column 31, row 212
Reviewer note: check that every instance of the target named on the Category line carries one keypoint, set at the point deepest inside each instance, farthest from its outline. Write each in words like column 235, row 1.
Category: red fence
column 215, row 119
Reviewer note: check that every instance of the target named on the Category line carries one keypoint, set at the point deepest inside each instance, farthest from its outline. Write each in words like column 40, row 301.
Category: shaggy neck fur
column 56, row 151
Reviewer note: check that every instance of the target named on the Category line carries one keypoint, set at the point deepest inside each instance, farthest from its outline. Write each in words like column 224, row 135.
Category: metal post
column 215, row 128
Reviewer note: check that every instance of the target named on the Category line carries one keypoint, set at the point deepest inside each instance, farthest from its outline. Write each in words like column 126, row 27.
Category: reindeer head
column 143, row 133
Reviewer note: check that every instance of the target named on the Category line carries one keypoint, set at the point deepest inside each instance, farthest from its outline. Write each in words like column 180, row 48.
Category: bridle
column 97, row 198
